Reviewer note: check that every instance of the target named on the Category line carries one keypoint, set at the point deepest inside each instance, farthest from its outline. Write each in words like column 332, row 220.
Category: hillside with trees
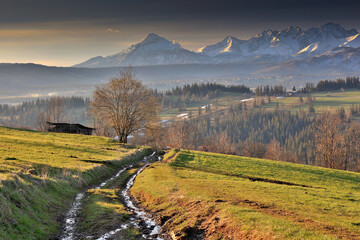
column 73, row 109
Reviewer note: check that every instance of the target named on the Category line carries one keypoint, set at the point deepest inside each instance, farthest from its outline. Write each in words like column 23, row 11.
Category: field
column 222, row 102
column 41, row 172
column 230, row 197
column 323, row 101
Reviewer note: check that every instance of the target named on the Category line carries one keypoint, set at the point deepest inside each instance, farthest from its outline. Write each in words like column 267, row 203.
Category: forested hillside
column 26, row 114
column 181, row 97
column 251, row 131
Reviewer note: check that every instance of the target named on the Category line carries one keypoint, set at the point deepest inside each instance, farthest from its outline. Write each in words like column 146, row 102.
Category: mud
column 139, row 219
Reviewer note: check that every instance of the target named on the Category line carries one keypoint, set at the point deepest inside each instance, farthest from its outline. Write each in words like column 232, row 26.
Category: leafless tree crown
column 124, row 104
column 55, row 112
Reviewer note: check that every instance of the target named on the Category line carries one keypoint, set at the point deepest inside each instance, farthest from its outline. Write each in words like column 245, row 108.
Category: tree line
column 332, row 85
column 27, row 113
column 268, row 90
column 180, row 97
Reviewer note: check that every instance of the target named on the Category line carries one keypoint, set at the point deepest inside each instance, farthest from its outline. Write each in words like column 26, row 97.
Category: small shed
column 70, row 128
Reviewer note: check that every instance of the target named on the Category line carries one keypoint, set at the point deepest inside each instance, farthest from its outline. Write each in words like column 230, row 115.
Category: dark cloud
column 15, row 11
column 54, row 31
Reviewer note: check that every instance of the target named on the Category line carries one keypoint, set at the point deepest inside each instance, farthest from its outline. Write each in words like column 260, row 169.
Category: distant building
column 69, row 128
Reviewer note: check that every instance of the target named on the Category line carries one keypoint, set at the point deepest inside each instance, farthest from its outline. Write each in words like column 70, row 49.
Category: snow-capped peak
column 265, row 33
column 152, row 38
column 155, row 42
column 228, row 45
column 270, row 44
column 152, row 50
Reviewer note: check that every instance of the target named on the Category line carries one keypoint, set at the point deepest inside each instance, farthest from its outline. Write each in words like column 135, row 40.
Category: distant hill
column 31, row 80
column 290, row 57
column 20, row 82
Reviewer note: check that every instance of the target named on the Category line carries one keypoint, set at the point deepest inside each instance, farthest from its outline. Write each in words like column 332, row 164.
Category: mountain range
column 289, row 57
column 325, row 46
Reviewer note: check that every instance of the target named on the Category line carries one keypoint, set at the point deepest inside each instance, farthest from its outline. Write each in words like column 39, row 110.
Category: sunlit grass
column 327, row 209
column 40, row 173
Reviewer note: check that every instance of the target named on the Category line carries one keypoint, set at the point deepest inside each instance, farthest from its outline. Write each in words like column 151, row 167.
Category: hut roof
column 70, row 125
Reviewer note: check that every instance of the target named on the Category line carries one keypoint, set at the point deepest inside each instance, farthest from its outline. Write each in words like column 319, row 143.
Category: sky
column 67, row 32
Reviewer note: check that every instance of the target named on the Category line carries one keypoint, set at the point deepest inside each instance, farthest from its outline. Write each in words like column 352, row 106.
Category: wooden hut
column 70, row 128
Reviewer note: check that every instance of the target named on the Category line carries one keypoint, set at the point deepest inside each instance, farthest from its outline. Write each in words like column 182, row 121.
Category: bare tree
column 56, row 110
column 351, row 156
column 328, row 139
column 125, row 104
column 273, row 150
column 41, row 121
column 101, row 126
column 221, row 143
column 179, row 134
column 253, row 149
column 153, row 136
column 338, row 142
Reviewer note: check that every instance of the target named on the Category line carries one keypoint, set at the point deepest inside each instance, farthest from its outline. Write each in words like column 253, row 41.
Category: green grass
column 41, row 172
column 198, row 187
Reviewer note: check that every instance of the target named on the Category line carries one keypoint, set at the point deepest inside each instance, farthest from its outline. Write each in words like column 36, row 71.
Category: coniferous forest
column 26, row 114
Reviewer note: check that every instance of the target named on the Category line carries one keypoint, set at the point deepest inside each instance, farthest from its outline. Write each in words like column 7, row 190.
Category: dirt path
column 139, row 219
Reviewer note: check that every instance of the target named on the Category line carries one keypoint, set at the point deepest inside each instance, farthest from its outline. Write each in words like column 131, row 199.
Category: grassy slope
column 41, row 172
column 212, row 192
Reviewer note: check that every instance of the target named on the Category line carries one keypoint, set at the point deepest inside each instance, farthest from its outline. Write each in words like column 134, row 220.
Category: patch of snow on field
column 247, row 99
column 206, row 106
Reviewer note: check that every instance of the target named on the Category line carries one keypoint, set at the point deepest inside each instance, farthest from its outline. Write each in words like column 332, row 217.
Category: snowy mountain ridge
column 276, row 46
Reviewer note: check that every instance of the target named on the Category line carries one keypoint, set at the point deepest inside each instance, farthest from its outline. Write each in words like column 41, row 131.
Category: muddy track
column 139, row 219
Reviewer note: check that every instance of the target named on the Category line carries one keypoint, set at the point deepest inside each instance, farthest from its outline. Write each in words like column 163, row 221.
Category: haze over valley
column 290, row 56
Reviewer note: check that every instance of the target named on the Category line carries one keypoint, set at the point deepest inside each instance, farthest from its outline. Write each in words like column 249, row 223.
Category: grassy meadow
column 324, row 101
column 233, row 197
column 41, row 172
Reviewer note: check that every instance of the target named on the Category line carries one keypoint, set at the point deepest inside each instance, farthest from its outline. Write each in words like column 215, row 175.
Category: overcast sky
column 66, row 32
